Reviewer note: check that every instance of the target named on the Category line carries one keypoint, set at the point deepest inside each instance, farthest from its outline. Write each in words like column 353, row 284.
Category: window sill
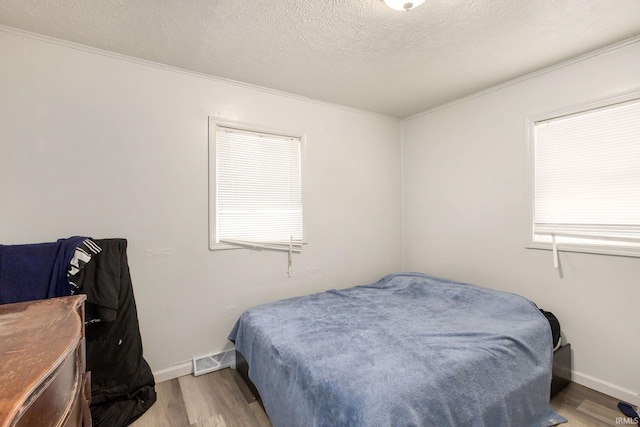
column 589, row 249
column 296, row 248
column 223, row 247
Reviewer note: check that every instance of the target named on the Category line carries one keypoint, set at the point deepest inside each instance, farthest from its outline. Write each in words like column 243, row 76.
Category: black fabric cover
column 122, row 385
column 554, row 323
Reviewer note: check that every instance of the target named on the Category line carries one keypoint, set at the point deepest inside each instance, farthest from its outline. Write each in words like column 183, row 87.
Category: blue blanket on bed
column 409, row 350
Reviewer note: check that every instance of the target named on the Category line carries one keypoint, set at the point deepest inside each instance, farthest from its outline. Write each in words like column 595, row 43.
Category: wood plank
column 197, row 395
column 261, row 416
column 584, row 407
column 217, row 421
column 233, row 404
column 579, row 419
column 169, row 409
column 244, row 389
column 600, row 412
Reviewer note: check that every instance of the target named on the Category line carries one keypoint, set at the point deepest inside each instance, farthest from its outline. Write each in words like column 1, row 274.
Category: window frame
column 530, row 122
column 213, row 122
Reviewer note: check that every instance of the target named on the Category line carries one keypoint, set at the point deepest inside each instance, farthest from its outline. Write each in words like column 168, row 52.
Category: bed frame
column 242, row 367
column 561, row 371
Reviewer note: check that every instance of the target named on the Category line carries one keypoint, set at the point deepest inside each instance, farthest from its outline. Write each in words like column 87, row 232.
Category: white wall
column 464, row 213
column 101, row 145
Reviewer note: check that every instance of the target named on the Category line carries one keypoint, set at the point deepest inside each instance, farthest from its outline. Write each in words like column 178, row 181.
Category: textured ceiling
column 357, row 53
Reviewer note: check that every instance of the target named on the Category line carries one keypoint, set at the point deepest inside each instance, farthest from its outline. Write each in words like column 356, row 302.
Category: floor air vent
column 214, row 362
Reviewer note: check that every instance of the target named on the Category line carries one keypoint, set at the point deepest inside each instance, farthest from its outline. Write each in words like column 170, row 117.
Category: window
column 586, row 179
column 255, row 189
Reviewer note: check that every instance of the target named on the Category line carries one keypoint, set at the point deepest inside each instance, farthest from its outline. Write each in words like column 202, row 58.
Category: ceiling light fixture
column 403, row 4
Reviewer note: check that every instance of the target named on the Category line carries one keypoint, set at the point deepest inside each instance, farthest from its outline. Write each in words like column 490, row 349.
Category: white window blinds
column 587, row 177
column 258, row 195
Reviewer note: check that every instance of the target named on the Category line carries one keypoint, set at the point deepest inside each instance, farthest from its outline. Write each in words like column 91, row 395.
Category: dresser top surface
column 35, row 337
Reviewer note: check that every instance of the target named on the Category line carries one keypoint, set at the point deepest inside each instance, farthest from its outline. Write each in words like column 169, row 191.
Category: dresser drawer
column 42, row 365
column 52, row 402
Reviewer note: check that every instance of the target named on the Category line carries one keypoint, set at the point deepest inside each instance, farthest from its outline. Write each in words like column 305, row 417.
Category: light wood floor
column 218, row 399
column 584, row 407
column 221, row 399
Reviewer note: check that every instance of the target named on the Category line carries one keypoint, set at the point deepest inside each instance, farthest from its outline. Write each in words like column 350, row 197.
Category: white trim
column 605, row 387
column 587, row 249
column 528, row 182
column 591, row 104
column 213, row 122
column 529, row 123
column 517, row 80
column 179, row 370
column 102, row 52
column 403, row 208
column 251, row 127
column 282, row 247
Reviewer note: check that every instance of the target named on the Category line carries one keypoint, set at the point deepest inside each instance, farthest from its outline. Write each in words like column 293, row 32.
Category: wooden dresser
column 43, row 381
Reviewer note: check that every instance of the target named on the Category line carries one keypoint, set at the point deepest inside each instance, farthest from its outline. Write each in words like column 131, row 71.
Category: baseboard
column 180, row 370
column 607, row 388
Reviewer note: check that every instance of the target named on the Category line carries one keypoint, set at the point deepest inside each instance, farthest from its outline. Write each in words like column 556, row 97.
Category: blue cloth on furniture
column 409, row 350
column 36, row 271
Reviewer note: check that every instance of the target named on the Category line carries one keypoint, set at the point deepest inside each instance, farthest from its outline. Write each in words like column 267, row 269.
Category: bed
column 408, row 350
